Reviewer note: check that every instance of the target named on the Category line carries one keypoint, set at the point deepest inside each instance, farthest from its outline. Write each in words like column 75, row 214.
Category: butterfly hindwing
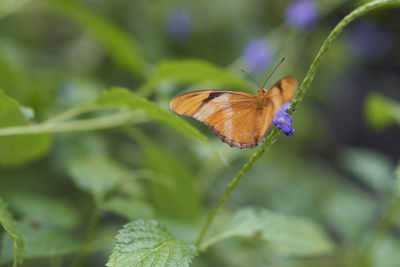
column 229, row 114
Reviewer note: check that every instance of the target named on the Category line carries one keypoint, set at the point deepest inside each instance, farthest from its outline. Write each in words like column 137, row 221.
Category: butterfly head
column 262, row 91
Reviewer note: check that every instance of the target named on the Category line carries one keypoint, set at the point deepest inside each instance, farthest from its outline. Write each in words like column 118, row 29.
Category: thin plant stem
column 81, row 258
column 233, row 184
column 103, row 122
column 72, row 113
column 272, row 136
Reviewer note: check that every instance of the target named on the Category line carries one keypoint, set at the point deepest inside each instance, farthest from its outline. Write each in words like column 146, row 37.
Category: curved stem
column 84, row 253
column 332, row 37
column 272, row 136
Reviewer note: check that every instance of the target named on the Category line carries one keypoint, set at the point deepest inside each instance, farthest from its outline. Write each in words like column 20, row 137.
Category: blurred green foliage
column 9, row 225
column 78, row 162
column 381, row 112
column 18, row 149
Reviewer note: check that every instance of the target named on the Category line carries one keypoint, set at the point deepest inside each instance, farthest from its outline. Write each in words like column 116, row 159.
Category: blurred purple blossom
column 282, row 120
column 257, row 55
column 179, row 24
column 302, row 13
column 370, row 40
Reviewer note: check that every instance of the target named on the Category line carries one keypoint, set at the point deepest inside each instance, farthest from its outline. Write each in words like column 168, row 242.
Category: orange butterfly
column 240, row 119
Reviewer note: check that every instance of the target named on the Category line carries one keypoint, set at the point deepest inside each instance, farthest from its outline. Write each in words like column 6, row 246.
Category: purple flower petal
column 370, row 40
column 302, row 13
column 282, row 120
column 179, row 24
column 285, row 106
column 257, row 55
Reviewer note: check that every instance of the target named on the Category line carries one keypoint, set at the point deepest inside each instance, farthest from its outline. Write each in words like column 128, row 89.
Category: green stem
column 72, row 113
column 108, row 121
column 272, row 136
column 332, row 37
column 84, row 253
column 235, row 181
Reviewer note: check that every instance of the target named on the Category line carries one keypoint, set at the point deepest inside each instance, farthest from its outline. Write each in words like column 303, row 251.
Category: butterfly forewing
column 193, row 102
column 239, row 119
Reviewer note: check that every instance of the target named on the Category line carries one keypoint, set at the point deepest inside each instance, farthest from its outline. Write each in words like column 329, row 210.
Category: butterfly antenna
column 273, row 72
column 249, row 77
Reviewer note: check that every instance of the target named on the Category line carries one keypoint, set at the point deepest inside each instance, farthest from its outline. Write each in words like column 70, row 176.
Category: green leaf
column 174, row 191
column 386, row 252
column 41, row 241
column 147, row 243
column 288, row 234
column 337, row 204
column 44, row 209
column 128, row 208
column 190, row 71
column 97, row 175
column 122, row 47
column 371, row 166
column 381, row 112
column 20, row 149
column 10, row 6
column 9, row 225
column 123, row 98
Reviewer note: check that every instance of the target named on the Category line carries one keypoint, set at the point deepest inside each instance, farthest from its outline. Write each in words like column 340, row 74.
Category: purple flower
column 282, row 120
column 302, row 13
column 257, row 55
column 179, row 24
column 370, row 40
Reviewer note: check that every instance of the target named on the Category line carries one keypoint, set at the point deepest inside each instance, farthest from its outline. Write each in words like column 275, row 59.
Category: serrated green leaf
column 41, row 241
column 381, row 112
column 9, row 225
column 123, row 98
column 147, row 243
column 97, row 175
column 16, row 150
column 289, row 234
column 190, row 71
column 122, row 47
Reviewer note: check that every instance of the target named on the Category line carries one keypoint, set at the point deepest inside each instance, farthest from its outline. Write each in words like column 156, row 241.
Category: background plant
column 64, row 194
